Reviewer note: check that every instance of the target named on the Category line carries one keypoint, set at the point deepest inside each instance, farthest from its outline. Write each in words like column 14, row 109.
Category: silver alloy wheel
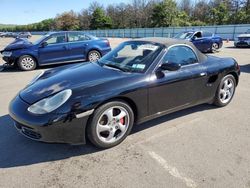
column 226, row 90
column 27, row 63
column 112, row 124
column 215, row 47
column 93, row 56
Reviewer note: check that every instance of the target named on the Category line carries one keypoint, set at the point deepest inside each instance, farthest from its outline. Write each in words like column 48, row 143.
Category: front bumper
column 9, row 60
column 242, row 43
column 52, row 128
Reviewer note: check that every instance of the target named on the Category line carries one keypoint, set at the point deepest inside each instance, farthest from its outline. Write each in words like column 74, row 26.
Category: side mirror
column 43, row 44
column 170, row 66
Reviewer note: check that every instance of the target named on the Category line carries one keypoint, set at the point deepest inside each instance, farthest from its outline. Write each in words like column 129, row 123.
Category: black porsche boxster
column 139, row 80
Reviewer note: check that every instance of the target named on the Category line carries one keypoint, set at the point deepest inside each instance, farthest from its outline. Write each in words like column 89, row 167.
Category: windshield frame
column 41, row 39
column 184, row 33
column 152, row 58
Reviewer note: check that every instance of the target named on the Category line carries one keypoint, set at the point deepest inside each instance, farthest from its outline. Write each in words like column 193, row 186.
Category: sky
column 32, row 11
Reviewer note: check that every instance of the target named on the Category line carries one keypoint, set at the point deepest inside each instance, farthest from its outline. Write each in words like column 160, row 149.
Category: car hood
column 244, row 35
column 18, row 44
column 69, row 77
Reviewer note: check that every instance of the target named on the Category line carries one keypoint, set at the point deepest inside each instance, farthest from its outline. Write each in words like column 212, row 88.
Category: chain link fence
column 227, row 32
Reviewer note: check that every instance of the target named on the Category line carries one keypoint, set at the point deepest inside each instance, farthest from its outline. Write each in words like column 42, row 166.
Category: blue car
column 55, row 48
column 203, row 40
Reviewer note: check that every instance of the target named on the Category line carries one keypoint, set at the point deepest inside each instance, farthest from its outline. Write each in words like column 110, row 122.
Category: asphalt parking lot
column 203, row 146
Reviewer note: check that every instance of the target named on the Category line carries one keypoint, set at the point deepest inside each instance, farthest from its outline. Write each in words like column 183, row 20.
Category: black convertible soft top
column 167, row 42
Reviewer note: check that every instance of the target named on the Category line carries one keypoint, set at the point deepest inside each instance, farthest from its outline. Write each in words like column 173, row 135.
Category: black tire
column 94, row 55
column 29, row 65
column 217, row 100
column 215, row 47
column 92, row 125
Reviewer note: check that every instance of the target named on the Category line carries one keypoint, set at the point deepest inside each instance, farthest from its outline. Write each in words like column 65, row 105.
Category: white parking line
column 168, row 129
column 172, row 170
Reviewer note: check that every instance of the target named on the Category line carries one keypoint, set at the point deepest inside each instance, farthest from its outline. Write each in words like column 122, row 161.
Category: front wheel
column 215, row 47
column 26, row 63
column 94, row 55
column 110, row 124
column 225, row 91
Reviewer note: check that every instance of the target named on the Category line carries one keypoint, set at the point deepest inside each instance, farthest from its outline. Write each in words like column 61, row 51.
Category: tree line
column 146, row 13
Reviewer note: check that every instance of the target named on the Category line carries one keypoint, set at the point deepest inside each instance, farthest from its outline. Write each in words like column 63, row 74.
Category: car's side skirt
column 179, row 108
column 59, row 62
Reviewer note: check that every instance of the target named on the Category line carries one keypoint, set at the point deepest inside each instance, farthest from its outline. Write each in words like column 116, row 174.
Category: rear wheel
column 225, row 91
column 110, row 124
column 94, row 55
column 26, row 63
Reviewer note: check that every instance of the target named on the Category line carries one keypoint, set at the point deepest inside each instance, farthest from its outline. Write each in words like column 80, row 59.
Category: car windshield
column 132, row 56
column 184, row 35
column 40, row 39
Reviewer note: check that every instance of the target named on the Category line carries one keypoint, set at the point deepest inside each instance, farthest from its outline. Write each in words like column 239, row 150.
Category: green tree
column 183, row 19
column 164, row 13
column 47, row 25
column 100, row 20
column 67, row 21
column 84, row 18
column 220, row 14
column 201, row 12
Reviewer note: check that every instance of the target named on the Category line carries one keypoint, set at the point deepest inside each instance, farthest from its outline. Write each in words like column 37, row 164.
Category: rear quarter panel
column 221, row 67
column 218, row 40
column 216, row 69
column 100, row 45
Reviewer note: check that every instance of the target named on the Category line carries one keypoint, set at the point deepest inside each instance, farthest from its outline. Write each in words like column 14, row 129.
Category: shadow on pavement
column 245, row 68
column 172, row 116
column 237, row 48
column 16, row 150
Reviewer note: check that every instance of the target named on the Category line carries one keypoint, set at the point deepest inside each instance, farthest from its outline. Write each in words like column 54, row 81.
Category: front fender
column 18, row 53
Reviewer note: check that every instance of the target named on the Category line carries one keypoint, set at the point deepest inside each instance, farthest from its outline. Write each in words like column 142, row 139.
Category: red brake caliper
column 122, row 121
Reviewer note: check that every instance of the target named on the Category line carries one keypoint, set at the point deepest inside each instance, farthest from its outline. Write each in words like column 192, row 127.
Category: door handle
column 203, row 74
column 65, row 47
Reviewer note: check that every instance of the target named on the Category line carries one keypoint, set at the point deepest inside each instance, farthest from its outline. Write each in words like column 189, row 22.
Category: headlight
column 6, row 53
column 50, row 104
column 36, row 77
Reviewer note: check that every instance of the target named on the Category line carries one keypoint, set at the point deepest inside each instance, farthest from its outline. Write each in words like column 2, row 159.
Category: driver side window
column 56, row 39
column 182, row 55
column 198, row 35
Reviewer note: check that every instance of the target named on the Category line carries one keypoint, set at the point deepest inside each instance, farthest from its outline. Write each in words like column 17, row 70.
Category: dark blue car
column 55, row 48
column 203, row 40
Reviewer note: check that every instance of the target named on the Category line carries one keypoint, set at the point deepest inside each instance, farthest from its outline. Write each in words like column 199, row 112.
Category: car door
column 78, row 43
column 207, row 39
column 198, row 40
column 54, row 49
column 177, row 89
column 201, row 42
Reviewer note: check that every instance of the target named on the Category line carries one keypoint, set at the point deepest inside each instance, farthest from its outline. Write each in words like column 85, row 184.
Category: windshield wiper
column 116, row 67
